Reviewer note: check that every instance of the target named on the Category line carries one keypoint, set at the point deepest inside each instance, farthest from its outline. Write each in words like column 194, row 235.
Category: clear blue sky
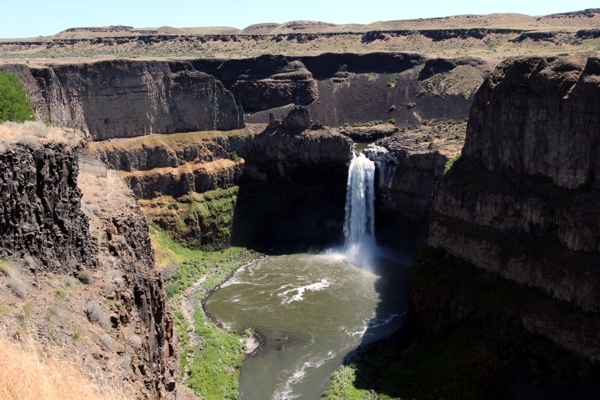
column 29, row 18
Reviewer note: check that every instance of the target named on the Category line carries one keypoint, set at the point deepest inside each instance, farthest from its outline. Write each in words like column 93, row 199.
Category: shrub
column 17, row 286
column 27, row 309
column 35, row 128
column 392, row 121
column 174, row 206
column 7, row 267
column 392, row 108
column 28, row 141
column 70, row 281
column 61, row 293
column 86, row 277
column 411, row 105
column 14, row 103
column 95, row 313
column 134, row 341
column 107, row 341
column 455, row 160
column 392, row 80
column 234, row 156
column 77, row 334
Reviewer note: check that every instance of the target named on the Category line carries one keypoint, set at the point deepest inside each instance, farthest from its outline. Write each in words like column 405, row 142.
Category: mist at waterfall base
column 360, row 247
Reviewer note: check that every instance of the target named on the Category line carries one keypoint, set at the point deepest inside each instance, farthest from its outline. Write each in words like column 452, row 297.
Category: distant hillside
column 493, row 37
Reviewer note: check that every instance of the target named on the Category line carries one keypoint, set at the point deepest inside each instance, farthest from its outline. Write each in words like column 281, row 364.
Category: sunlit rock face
column 122, row 98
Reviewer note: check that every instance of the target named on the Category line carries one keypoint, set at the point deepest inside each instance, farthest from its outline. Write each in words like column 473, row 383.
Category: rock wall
column 41, row 219
column 292, row 156
column 40, row 213
column 539, row 116
column 521, row 204
column 409, row 164
column 116, row 99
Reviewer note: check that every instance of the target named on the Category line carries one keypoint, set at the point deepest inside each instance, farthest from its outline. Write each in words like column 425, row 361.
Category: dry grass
column 32, row 133
column 25, row 374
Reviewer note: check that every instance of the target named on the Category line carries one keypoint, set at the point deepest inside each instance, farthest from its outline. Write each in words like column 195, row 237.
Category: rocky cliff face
column 292, row 156
column 539, row 116
column 521, row 204
column 115, row 99
column 409, row 164
column 274, row 82
column 53, row 233
column 40, row 213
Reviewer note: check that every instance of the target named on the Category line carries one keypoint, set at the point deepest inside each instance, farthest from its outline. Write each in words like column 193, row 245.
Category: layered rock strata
column 522, row 202
column 409, row 164
column 116, row 99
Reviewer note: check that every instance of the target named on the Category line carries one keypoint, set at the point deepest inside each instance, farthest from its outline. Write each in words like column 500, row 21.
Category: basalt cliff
column 504, row 294
column 86, row 270
column 127, row 98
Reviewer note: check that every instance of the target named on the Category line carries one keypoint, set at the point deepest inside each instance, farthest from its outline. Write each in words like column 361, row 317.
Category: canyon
column 485, row 179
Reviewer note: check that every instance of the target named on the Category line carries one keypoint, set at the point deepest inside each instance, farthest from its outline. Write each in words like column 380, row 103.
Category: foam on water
column 299, row 296
column 284, row 390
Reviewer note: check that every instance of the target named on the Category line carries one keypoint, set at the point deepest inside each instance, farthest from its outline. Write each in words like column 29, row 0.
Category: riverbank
column 210, row 356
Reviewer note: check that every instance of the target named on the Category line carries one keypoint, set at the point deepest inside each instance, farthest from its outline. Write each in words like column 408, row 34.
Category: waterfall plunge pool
column 312, row 311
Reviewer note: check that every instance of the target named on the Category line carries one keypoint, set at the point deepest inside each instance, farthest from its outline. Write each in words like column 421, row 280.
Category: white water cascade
column 360, row 247
column 359, row 223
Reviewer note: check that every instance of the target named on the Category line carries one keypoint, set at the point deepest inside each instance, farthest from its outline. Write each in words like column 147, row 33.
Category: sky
column 30, row 18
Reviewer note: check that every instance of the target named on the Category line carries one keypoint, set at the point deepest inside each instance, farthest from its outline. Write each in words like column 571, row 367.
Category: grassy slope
column 210, row 356
column 196, row 220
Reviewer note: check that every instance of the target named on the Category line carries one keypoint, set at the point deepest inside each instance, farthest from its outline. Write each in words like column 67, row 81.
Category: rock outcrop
column 45, row 222
column 409, row 165
column 40, row 213
column 117, row 99
column 286, row 155
column 272, row 82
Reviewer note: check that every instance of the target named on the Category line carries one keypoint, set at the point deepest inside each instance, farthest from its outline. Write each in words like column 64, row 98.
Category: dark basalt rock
column 40, row 213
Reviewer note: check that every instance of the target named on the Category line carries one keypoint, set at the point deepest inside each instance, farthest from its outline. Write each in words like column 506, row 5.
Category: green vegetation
column 14, row 103
column 456, row 159
column 411, row 105
column 214, row 370
column 201, row 220
column 234, row 156
column 61, row 293
column 460, row 364
column 216, row 355
column 391, row 81
column 368, row 123
column 86, row 276
column 426, row 88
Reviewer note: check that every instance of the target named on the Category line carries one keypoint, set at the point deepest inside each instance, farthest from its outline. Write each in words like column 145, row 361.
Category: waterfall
column 360, row 248
column 359, row 222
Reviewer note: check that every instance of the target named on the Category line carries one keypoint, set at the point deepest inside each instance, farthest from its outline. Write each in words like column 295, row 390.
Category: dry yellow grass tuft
column 25, row 374
column 31, row 133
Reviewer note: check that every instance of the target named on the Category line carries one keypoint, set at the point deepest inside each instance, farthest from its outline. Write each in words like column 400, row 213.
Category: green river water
column 312, row 311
